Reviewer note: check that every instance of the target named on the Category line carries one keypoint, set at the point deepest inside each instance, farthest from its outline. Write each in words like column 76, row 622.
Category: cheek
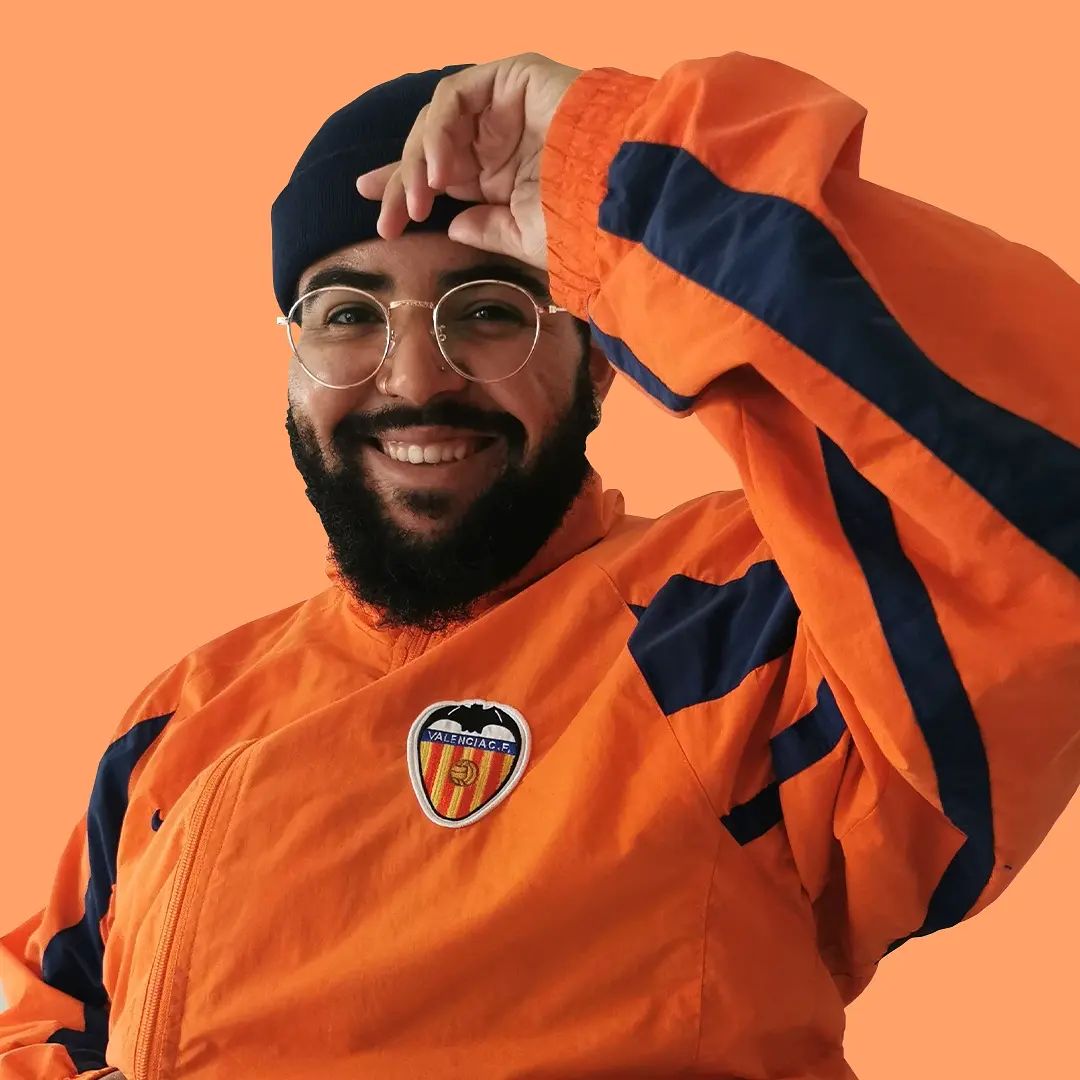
column 317, row 408
column 535, row 403
column 544, row 397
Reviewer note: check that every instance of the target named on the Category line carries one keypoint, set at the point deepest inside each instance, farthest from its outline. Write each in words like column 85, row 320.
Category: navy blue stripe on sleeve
column 617, row 351
column 72, row 960
column 938, row 699
column 776, row 261
column 696, row 642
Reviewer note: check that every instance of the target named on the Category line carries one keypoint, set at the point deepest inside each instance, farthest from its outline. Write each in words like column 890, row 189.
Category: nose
column 415, row 369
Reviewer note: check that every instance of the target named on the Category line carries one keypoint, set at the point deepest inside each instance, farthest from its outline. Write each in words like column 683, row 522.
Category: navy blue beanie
column 320, row 210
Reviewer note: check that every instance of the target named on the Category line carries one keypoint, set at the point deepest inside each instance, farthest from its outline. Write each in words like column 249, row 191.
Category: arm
column 896, row 387
column 55, row 1026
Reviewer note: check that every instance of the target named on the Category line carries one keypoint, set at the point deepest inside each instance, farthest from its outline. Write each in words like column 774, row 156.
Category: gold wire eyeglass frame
column 437, row 331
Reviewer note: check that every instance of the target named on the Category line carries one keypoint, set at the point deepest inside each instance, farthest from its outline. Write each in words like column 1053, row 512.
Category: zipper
column 146, row 1040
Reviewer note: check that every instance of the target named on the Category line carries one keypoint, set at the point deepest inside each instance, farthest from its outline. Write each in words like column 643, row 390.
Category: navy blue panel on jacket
column 776, row 261
column 756, row 816
column 812, row 737
column 695, row 641
column 72, row 959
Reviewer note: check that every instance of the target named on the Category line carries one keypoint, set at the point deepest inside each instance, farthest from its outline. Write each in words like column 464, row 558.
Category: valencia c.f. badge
column 465, row 757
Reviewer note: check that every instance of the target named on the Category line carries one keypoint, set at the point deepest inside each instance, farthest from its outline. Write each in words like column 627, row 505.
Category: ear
column 601, row 371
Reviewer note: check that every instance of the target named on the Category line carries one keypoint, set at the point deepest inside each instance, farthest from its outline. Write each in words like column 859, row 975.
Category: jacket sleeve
column 898, row 390
column 56, row 1022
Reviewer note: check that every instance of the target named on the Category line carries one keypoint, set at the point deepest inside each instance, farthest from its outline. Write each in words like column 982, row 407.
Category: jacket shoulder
column 712, row 538
column 206, row 670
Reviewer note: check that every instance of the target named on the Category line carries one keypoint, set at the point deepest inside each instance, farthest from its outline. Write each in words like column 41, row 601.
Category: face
column 424, row 537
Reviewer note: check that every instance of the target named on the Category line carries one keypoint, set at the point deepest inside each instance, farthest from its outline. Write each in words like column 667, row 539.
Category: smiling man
column 537, row 788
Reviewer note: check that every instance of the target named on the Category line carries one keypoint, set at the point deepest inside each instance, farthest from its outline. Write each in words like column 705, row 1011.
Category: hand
column 479, row 140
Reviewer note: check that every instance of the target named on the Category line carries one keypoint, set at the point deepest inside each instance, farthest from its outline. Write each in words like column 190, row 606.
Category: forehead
column 418, row 264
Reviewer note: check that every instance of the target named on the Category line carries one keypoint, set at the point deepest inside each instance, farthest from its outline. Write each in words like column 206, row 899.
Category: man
column 539, row 789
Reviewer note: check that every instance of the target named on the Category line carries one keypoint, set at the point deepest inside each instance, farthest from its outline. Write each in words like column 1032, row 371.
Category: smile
column 433, row 453
column 461, row 463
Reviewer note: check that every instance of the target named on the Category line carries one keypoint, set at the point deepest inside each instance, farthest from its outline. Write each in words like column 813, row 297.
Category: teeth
column 432, row 454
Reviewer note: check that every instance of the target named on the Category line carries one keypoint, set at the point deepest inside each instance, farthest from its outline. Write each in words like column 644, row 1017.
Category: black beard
column 432, row 582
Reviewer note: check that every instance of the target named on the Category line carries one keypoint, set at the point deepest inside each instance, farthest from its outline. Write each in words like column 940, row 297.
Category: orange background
column 150, row 498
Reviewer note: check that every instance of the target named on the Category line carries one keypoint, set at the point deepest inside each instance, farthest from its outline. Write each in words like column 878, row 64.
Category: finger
column 490, row 228
column 457, row 101
column 469, row 192
column 372, row 184
column 467, row 92
column 448, row 149
column 438, row 148
column 394, row 214
column 418, row 195
column 414, row 174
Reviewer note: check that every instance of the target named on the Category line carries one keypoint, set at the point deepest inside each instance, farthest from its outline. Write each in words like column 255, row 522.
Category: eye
column 353, row 315
column 489, row 311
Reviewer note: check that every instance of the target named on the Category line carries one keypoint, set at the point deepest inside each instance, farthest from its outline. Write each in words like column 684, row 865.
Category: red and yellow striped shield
column 465, row 757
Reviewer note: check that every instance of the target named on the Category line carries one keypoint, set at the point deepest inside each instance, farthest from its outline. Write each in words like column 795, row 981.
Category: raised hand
column 479, row 140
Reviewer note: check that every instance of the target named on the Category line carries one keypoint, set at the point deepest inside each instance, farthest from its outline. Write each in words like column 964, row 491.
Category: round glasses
column 486, row 331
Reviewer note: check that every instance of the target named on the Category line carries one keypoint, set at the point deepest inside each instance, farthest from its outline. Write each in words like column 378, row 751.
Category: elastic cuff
column 584, row 137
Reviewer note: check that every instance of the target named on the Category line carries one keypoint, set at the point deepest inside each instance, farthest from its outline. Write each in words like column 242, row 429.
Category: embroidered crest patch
column 465, row 757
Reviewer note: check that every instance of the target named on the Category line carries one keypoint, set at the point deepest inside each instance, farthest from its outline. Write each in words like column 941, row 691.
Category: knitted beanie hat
column 320, row 210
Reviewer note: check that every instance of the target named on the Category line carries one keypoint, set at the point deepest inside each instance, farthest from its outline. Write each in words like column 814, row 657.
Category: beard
column 431, row 582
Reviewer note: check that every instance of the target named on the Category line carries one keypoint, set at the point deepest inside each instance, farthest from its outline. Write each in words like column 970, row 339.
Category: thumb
column 490, row 228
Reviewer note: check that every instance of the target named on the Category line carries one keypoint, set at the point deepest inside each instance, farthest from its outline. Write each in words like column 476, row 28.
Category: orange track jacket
column 662, row 806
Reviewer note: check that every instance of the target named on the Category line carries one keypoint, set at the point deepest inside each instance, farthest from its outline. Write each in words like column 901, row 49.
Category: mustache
column 354, row 430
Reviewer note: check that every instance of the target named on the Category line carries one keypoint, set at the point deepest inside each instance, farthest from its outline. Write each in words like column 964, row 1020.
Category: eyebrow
column 370, row 281
column 500, row 271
